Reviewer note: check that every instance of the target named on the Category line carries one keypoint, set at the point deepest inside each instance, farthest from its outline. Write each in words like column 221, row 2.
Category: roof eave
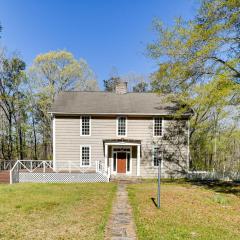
column 114, row 114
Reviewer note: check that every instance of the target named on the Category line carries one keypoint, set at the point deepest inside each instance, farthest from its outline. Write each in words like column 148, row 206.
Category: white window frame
column 90, row 126
column 154, row 126
column 126, row 126
column 90, row 155
column 153, row 154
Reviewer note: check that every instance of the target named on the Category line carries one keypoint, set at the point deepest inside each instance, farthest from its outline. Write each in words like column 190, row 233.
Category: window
column 85, row 126
column 157, row 156
column 85, row 156
column 121, row 131
column 114, row 162
column 157, row 131
column 128, row 162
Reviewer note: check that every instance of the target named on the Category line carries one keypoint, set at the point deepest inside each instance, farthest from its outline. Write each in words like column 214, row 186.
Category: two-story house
column 123, row 130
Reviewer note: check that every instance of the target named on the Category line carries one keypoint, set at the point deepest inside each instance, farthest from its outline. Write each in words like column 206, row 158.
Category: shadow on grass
column 154, row 201
column 218, row 186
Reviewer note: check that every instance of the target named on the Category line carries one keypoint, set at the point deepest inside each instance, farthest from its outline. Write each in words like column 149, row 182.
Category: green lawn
column 188, row 211
column 55, row 211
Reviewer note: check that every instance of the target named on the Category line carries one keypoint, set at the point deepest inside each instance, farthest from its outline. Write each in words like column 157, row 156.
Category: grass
column 188, row 211
column 55, row 211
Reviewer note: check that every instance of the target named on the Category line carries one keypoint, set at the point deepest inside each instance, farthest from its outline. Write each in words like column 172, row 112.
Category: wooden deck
column 4, row 177
column 42, row 171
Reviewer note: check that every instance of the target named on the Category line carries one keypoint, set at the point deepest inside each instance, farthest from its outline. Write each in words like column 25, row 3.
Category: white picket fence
column 44, row 171
column 213, row 175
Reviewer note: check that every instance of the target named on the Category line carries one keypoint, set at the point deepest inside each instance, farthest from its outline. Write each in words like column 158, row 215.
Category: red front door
column 121, row 162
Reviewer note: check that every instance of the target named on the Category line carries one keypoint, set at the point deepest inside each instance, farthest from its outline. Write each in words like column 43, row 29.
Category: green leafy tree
column 110, row 84
column 12, row 105
column 140, row 87
column 199, row 67
column 51, row 73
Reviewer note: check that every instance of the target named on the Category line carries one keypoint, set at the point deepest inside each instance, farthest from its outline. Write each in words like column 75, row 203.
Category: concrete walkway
column 121, row 225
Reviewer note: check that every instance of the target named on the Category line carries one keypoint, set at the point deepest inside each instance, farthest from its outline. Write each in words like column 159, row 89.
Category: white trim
column 126, row 126
column 138, row 160
column 122, row 143
column 112, row 170
column 162, row 126
column 114, row 114
column 106, row 156
column 90, row 155
column 90, row 126
column 114, row 151
column 54, row 143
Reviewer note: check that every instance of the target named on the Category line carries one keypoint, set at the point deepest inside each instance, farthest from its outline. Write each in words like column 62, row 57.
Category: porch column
column 138, row 160
column 106, row 157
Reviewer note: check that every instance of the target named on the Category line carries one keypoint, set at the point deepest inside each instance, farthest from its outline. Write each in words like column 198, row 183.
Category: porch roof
column 122, row 141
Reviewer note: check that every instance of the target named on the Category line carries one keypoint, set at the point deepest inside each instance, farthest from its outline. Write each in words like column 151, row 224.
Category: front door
column 121, row 162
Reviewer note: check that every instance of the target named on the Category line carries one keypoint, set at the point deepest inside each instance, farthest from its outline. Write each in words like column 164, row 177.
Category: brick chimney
column 121, row 88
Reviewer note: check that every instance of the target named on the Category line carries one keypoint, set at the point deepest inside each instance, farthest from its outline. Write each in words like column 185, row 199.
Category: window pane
column 122, row 126
column 85, row 156
column 157, row 156
column 114, row 161
column 128, row 162
column 85, row 125
column 158, row 127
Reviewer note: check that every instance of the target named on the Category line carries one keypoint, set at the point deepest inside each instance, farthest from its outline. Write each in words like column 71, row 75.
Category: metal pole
column 159, row 183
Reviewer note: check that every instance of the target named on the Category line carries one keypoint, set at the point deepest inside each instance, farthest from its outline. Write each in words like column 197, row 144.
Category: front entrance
column 121, row 162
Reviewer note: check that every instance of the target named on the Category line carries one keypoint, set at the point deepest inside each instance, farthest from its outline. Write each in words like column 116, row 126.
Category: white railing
column 29, row 166
column 44, row 166
column 100, row 168
column 7, row 164
column 213, row 175
column 35, row 165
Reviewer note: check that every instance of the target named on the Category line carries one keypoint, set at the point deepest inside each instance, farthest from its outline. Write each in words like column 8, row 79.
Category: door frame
column 115, row 150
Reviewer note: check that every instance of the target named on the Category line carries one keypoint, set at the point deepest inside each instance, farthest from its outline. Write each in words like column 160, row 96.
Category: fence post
column 10, row 173
column 44, row 167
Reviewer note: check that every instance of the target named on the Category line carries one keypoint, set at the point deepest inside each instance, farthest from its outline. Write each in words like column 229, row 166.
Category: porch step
column 125, row 179
column 4, row 177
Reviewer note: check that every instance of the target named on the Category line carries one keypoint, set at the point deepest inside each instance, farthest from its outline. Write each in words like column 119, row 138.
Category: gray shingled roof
column 111, row 103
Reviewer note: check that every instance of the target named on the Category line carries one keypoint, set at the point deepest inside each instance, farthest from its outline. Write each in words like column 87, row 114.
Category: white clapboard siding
column 68, row 140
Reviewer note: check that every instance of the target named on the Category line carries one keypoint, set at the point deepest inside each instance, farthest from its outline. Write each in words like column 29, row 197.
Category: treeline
column 26, row 97
column 199, row 67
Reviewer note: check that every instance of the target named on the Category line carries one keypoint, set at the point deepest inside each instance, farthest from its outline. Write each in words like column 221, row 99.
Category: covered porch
column 122, row 156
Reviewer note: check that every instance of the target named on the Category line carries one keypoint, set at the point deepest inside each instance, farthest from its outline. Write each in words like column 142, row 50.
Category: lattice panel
column 61, row 177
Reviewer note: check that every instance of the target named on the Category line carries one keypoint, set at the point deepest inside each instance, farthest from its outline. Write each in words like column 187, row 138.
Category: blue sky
column 106, row 33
